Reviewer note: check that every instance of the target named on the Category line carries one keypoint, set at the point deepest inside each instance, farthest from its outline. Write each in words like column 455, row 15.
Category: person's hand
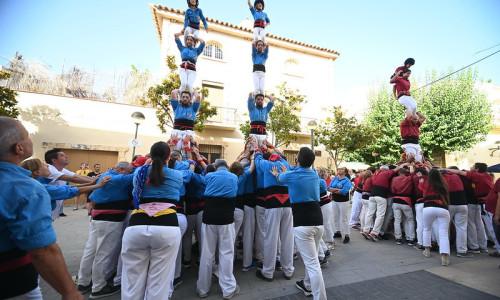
column 283, row 168
column 94, row 180
column 148, row 161
column 104, row 181
column 274, row 171
column 206, row 29
column 183, row 30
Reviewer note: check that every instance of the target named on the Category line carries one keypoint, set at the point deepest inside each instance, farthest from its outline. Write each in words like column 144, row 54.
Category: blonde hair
column 321, row 172
column 32, row 164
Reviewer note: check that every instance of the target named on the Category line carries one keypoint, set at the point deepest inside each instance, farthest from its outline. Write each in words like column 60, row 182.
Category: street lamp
column 312, row 125
column 137, row 118
column 375, row 154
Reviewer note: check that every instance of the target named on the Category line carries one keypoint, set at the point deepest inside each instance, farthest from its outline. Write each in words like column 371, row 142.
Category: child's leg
column 191, row 78
column 187, row 31
column 183, row 74
column 256, row 34
column 196, row 32
column 262, row 34
column 256, row 83
column 262, row 82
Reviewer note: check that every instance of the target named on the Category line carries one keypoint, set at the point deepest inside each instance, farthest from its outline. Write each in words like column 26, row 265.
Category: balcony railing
column 225, row 115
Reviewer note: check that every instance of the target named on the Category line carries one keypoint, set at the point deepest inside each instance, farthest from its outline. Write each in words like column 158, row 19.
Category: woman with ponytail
column 151, row 242
column 436, row 201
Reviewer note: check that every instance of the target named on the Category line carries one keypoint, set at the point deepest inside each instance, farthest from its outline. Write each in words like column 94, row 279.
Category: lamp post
column 312, row 125
column 375, row 154
column 137, row 118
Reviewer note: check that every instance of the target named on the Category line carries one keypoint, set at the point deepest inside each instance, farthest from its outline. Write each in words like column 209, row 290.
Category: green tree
column 158, row 96
column 342, row 136
column 458, row 117
column 8, row 100
column 284, row 118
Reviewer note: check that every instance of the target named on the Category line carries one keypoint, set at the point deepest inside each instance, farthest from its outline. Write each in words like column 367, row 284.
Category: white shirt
column 55, row 174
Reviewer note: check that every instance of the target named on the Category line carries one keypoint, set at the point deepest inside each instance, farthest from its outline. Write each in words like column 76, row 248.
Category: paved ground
column 358, row 270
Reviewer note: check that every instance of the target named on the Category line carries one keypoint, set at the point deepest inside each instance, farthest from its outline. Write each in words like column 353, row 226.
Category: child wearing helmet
column 261, row 21
column 192, row 19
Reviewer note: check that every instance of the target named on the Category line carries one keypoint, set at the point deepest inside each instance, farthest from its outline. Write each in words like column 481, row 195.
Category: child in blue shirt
column 260, row 53
column 261, row 21
column 192, row 20
column 189, row 55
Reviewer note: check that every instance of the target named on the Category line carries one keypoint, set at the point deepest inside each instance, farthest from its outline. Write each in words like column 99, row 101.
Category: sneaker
column 236, row 291
column 301, row 286
column 105, row 292
column 410, row 243
column 384, row 236
column 250, row 267
column 337, row 235
column 186, row 264
column 355, row 227
column 177, row 282
column 346, row 240
column 475, row 251
column 330, row 245
column 483, row 250
column 495, row 254
column 374, row 237
column 366, row 235
column 445, row 261
column 323, row 262
column 427, row 253
column 84, row 288
column 62, row 215
column 328, row 254
column 465, row 255
column 260, row 265
column 418, row 246
column 201, row 295
column 261, row 276
column 278, row 266
column 295, row 256
column 288, row 277
column 399, row 241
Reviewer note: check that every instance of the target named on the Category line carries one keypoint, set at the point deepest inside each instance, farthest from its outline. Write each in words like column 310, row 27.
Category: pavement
column 359, row 270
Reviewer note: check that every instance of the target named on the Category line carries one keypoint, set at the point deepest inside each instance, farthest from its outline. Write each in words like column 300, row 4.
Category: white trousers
column 181, row 135
column 190, row 30
column 413, row 149
column 259, row 32
column 193, row 225
column 259, row 82
column 239, row 215
column 442, row 217
column 362, row 215
column 490, row 231
column 57, row 211
column 327, row 211
column 221, row 237
column 260, row 230
column 182, row 220
column 401, row 210
column 98, row 260
column 458, row 215
column 307, row 239
column 248, row 235
column 409, row 103
column 357, row 203
column 389, row 213
column 419, row 207
column 376, row 205
column 118, row 278
column 341, row 216
column 476, row 236
column 279, row 227
column 260, row 138
column 188, row 77
column 148, row 255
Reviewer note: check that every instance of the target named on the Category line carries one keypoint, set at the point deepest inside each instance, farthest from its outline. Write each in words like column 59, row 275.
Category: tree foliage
column 458, row 117
column 138, row 87
column 8, row 102
column 284, row 118
column 158, row 97
column 343, row 136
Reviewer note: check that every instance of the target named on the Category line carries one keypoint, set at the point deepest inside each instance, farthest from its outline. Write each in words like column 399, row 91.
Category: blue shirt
column 259, row 58
column 242, row 179
column 221, row 183
column 260, row 178
column 250, row 183
column 322, row 186
column 186, row 173
column 190, row 53
column 168, row 190
column 117, row 189
column 194, row 16
column 25, row 213
column 303, row 184
column 185, row 112
column 57, row 192
column 258, row 114
column 196, row 187
column 267, row 166
column 344, row 184
column 259, row 15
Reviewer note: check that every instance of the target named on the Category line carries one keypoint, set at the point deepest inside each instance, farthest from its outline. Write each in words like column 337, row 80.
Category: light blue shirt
column 168, row 190
column 259, row 114
column 221, row 183
column 303, row 184
column 117, row 189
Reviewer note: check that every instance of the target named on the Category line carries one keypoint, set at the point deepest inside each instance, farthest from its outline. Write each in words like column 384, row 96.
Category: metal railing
column 225, row 115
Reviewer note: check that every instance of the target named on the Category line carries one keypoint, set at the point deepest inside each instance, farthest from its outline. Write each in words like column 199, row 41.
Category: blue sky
column 373, row 37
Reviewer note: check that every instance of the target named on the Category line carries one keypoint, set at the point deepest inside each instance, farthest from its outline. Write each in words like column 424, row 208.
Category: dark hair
column 159, row 154
column 186, row 92
column 266, row 155
column 402, row 171
column 260, row 41
column 366, row 175
column 189, row 4
column 259, row 1
column 372, row 169
column 51, row 154
column 454, row 168
column 210, row 168
column 392, row 167
column 306, row 157
column 198, row 169
column 409, row 61
column 135, row 157
column 421, row 170
column 173, row 158
column 406, row 70
column 439, row 185
column 236, row 168
column 481, row 167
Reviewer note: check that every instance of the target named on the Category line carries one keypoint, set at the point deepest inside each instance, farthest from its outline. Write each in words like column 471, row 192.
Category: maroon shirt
column 402, row 86
column 431, row 198
column 417, row 192
column 482, row 184
column 456, row 189
column 381, row 182
column 491, row 200
column 410, row 132
column 402, row 189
